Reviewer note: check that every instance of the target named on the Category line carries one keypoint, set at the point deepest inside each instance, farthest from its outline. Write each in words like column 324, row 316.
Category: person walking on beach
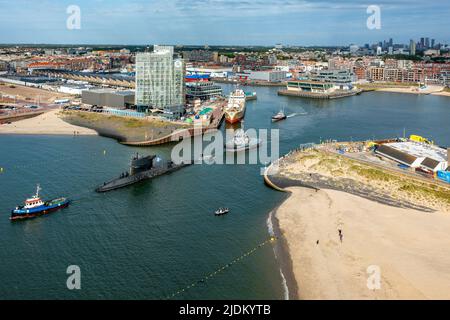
column 341, row 236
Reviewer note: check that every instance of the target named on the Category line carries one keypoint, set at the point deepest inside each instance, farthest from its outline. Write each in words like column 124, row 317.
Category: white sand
column 411, row 248
column 47, row 123
column 431, row 89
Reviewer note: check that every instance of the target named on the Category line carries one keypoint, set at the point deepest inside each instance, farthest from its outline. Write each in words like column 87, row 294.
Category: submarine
column 141, row 168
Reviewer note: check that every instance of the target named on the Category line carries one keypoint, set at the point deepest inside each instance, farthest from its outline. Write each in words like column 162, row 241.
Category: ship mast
column 38, row 188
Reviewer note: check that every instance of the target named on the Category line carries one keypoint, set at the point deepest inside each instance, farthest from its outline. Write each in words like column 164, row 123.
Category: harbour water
column 150, row 240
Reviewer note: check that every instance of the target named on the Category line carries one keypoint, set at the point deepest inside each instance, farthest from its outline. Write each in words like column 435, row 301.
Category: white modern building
column 342, row 79
column 268, row 75
column 160, row 78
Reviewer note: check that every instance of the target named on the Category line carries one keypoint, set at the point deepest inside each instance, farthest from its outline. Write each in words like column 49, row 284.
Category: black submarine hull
column 138, row 177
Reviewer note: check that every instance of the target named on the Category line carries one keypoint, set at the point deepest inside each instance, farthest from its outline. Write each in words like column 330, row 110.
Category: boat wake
column 297, row 114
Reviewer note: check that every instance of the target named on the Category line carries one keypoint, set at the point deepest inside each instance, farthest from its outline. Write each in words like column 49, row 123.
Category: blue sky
column 221, row 22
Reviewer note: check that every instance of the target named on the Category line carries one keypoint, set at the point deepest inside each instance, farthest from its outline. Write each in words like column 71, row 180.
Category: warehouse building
column 108, row 98
column 269, row 75
column 416, row 155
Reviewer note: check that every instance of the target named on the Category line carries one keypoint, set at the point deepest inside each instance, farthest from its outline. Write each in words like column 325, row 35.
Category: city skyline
column 221, row 22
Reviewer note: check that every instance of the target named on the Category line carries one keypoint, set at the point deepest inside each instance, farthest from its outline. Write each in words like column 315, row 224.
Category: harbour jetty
column 352, row 212
column 216, row 120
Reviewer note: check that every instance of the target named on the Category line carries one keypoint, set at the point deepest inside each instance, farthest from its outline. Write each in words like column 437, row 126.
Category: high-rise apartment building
column 412, row 48
column 160, row 78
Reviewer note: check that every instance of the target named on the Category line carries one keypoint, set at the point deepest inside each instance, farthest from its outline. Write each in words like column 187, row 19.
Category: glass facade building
column 160, row 78
column 203, row 90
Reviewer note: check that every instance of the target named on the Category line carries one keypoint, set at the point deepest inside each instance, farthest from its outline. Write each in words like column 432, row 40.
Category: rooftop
column 420, row 150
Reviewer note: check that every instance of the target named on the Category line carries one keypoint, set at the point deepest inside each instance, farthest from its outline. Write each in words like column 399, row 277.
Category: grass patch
column 371, row 173
column 426, row 191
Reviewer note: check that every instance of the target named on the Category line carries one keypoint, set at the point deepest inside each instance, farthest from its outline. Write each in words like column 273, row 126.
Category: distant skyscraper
column 160, row 79
column 422, row 43
column 433, row 43
column 427, row 43
column 412, row 47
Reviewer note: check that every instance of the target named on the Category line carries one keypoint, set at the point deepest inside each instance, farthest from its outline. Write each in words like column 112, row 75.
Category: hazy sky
column 240, row 22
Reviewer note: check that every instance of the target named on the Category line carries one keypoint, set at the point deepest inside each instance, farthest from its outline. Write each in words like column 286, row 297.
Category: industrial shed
column 397, row 155
column 108, row 98
column 416, row 155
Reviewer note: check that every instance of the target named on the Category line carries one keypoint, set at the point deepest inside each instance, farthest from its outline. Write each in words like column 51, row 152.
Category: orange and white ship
column 235, row 110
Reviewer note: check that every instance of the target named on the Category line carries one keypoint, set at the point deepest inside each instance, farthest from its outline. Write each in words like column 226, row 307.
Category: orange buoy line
column 223, row 268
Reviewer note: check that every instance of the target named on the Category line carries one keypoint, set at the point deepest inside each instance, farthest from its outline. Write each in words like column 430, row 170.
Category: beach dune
column 410, row 248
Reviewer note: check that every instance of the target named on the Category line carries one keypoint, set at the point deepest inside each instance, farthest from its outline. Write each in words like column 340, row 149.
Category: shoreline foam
column 282, row 255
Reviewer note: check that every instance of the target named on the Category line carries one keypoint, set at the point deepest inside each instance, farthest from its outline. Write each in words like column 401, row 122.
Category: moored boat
column 250, row 96
column 241, row 142
column 235, row 110
column 35, row 206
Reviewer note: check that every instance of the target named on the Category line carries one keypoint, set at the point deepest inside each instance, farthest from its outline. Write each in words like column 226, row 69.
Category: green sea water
column 150, row 240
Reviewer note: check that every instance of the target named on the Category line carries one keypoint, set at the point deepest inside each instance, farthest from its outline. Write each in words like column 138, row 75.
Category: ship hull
column 139, row 177
column 278, row 119
column 252, row 145
column 235, row 116
column 19, row 215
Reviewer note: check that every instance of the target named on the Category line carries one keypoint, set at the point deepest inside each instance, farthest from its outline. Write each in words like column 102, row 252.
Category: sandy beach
column 48, row 123
column 411, row 248
column 433, row 90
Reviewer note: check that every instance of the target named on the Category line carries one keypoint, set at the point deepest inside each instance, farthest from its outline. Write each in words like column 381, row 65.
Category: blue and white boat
column 34, row 207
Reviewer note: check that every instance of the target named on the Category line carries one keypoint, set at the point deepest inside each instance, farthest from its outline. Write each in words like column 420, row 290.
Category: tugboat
column 279, row 116
column 241, row 142
column 141, row 168
column 35, row 207
column 222, row 212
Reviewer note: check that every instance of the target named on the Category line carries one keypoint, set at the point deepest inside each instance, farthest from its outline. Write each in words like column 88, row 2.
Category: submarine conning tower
column 139, row 164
